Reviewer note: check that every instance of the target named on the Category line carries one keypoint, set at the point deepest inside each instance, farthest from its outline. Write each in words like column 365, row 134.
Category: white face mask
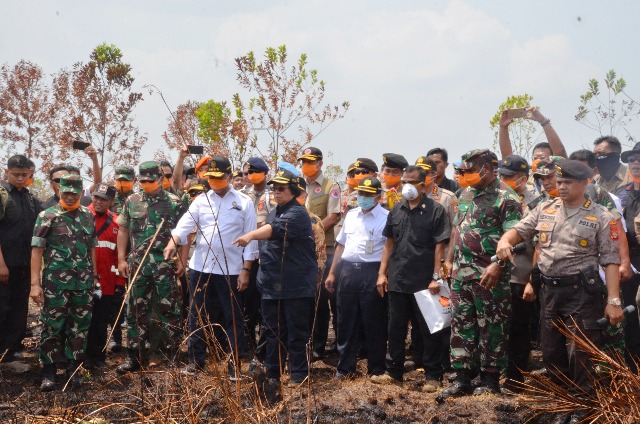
column 409, row 192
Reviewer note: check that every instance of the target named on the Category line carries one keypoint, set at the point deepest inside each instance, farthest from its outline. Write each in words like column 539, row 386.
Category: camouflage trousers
column 66, row 317
column 480, row 326
column 154, row 303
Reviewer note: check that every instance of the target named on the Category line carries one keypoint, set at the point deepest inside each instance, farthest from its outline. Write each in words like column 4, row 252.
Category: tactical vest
column 317, row 204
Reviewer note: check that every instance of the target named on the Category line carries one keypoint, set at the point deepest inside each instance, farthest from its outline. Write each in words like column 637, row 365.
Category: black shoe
column 272, row 391
column 331, row 349
column 48, row 378
column 115, row 346
column 129, row 365
column 460, row 387
column 489, row 383
column 316, row 356
column 93, row 364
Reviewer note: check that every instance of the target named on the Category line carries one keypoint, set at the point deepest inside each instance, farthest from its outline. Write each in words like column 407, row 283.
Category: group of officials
column 263, row 258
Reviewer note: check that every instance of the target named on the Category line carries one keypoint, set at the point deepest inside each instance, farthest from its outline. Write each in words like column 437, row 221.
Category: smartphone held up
column 520, row 112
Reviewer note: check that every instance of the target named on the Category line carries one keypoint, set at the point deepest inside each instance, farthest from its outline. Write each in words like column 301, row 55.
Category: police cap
column 393, row 160
column 512, row 165
column 370, row 185
column 218, row 167
column 311, row 153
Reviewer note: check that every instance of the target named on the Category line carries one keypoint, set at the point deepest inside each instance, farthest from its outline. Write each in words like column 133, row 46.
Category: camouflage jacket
column 483, row 217
column 143, row 213
column 118, row 203
column 67, row 238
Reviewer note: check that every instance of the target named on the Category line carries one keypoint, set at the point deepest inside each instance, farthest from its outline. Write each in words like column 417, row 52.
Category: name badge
column 368, row 247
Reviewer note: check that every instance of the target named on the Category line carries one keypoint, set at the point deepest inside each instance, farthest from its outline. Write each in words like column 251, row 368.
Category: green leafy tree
column 286, row 101
column 523, row 132
column 332, row 170
column 99, row 105
column 608, row 112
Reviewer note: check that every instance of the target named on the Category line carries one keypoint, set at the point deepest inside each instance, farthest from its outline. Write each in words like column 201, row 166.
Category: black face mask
column 608, row 164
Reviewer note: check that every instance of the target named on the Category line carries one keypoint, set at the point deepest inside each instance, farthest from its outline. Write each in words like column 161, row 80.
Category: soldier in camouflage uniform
column 155, row 291
column 391, row 174
column 64, row 237
column 481, row 295
column 125, row 177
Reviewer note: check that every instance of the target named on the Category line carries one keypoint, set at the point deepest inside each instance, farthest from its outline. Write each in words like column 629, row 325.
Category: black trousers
column 251, row 307
column 326, row 307
column 631, row 324
column 401, row 306
column 519, row 346
column 359, row 307
column 101, row 317
column 14, row 308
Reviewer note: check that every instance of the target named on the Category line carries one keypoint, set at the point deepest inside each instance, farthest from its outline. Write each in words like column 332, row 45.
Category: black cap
column 425, row 162
column 392, row 160
column 366, row 163
column 311, row 153
column 573, row 169
column 513, row 164
column 105, row 191
column 190, row 172
column 218, row 166
column 370, row 185
column 258, row 163
column 284, row 177
column 302, row 184
column 624, row 156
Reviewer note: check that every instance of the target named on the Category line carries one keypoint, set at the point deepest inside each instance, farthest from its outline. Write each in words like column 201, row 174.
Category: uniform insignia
column 420, row 160
column 584, row 242
column 435, row 189
column 587, row 204
column 550, row 210
column 591, row 218
column 444, row 301
column 261, row 205
column 544, row 237
column 318, row 190
column 454, row 205
column 544, row 225
column 335, row 193
column 367, row 183
column 307, row 151
column 613, row 230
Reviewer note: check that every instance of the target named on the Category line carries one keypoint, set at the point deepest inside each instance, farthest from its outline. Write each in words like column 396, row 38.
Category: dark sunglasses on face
column 633, row 159
column 361, row 171
column 253, row 171
column 167, row 176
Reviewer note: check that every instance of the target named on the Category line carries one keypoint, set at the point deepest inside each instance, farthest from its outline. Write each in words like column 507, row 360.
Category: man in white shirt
column 354, row 274
column 219, row 270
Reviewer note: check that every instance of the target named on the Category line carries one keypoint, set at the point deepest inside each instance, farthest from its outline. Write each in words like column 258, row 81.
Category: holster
column 535, row 279
column 590, row 280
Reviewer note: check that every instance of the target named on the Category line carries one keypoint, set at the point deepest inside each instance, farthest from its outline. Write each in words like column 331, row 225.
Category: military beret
column 547, row 168
column 370, row 185
column 125, row 173
column 625, row 155
column 218, row 166
column 105, row 191
column 149, row 171
column 573, row 169
column 392, row 160
column 367, row 164
column 285, row 177
column 289, row 167
column 71, row 183
column 513, row 164
column 258, row 163
column 311, row 153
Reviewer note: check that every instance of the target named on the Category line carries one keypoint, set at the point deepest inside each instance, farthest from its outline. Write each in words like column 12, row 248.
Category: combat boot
column 489, row 383
column 73, row 375
column 48, row 378
column 131, row 364
column 461, row 386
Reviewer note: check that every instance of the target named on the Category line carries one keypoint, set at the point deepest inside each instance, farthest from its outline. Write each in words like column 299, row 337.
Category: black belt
column 360, row 265
column 571, row 280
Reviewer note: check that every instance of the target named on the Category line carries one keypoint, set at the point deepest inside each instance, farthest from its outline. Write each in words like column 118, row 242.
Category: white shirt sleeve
column 251, row 251
column 187, row 223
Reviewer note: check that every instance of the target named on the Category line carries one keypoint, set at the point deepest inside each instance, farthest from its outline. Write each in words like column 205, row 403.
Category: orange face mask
column 166, row 183
column 471, row 179
column 391, row 180
column 124, row 186
column 218, row 183
column 29, row 182
column 256, row 177
column 511, row 183
column 149, row 186
column 553, row 192
column 462, row 182
column 300, row 200
column 309, row 169
column 70, row 208
column 352, row 182
column 635, row 179
column 428, row 180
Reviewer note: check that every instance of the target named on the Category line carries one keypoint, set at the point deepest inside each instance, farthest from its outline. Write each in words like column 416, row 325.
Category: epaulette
column 532, row 205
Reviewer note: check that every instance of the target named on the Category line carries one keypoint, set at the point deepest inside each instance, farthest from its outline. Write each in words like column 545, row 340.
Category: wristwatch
column 615, row 301
column 435, row 276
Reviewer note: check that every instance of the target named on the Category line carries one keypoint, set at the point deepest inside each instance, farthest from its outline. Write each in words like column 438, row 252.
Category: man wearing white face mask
column 417, row 232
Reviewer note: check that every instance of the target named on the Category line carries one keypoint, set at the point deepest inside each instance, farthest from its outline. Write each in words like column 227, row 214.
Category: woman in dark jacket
column 287, row 280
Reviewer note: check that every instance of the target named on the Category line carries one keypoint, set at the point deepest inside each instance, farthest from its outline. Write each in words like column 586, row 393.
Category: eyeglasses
column 361, row 171
column 280, row 189
column 167, row 176
column 633, row 159
column 253, row 171
column 462, row 171
column 414, row 182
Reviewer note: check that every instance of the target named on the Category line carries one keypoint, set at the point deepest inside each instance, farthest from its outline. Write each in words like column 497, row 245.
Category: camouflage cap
column 125, row 173
column 71, row 184
column 149, row 171
column 484, row 154
column 548, row 168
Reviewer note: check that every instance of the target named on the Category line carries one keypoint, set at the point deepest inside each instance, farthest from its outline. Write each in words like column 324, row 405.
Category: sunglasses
column 167, row 176
column 253, row 171
column 412, row 182
column 280, row 189
column 361, row 171
column 633, row 159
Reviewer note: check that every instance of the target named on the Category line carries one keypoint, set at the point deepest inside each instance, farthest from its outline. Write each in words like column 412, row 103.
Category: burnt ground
column 164, row 395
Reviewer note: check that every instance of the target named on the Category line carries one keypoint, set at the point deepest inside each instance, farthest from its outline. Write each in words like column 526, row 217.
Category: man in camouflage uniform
column 125, row 177
column 64, row 237
column 155, row 290
column 481, row 296
column 392, row 166
column 576, row 236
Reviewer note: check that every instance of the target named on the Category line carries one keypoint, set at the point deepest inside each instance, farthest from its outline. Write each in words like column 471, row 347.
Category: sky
column 417, row 74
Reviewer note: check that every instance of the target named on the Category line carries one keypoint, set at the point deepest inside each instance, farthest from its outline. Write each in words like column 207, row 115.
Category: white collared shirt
column 360, row 227
column 218, row 221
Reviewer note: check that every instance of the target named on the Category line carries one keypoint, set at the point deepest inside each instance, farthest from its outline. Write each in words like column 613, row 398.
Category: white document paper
column 436, row 309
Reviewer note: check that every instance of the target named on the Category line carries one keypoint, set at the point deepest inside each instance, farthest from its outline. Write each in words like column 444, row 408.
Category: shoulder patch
column 261, row 205
column 335, row 193
column 613, row 230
